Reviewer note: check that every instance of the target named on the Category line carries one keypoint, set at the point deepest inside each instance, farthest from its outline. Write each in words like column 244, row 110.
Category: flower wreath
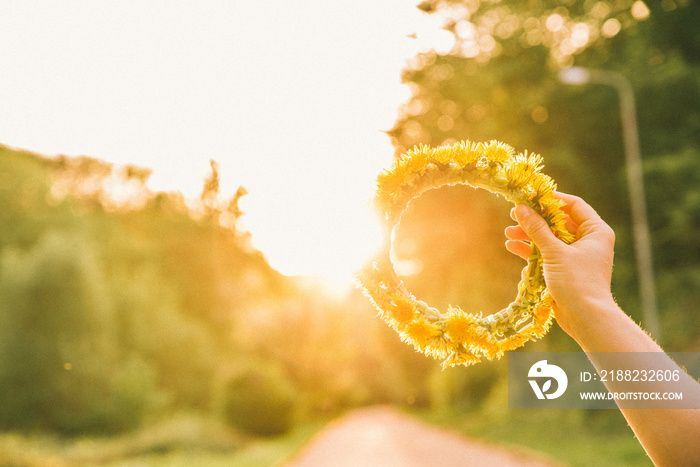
column 457, row 337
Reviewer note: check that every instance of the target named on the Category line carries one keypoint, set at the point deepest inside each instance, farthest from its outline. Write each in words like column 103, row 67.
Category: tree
column 500, row 82
column 115, row 301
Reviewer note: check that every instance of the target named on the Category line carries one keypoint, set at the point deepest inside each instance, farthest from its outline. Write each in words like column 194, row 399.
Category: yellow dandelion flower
column 421, row 332
column 498, row 152
column 551, row 209
column 476, row 151
column 542, row 184
column 438, row 347
column 389, row 190
column 514, row 342
column 443, row 154
column 402, row 309
column 543, row 312
column 535, row 161
column 391, row 180
column 464, row 153
column 460, row 327
column 416, row 160
column 517, row 177
column 565, row 236
column 483, row 338
column 479, row 151
column 493, row 352
column 532, row 162
column 486, row 345
column 540, row 328
column 550, row 204
column 460, row 356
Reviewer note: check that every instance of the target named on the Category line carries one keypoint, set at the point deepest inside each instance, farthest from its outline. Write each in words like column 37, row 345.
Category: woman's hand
column 576, row 275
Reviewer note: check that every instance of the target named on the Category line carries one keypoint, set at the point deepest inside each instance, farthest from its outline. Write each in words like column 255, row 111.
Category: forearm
column 668, row 435
column 578, row 276
column 599, row 325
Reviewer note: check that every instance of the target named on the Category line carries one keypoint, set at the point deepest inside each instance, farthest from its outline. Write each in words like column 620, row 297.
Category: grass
column 572, row 438
column 181, row 440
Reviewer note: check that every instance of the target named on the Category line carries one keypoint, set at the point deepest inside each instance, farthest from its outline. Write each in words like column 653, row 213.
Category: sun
column 324, row 241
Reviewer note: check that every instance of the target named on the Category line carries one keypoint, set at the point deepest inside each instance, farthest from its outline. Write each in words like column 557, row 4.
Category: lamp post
column 635, row 180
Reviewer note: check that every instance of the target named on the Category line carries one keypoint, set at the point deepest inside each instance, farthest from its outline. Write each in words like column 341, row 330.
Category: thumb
column 535, row 227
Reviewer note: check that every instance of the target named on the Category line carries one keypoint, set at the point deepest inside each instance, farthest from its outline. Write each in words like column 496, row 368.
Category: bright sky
column 290, row 97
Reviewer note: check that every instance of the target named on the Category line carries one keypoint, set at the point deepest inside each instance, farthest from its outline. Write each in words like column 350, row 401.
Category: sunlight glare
column 330, row 247
column 290, row 99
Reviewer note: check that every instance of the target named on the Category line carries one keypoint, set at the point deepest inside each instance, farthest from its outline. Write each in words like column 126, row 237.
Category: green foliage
column 112, row 309
column 512, row 94
column 463, row 387
column 57, row 332
column 675, row 185
column 675, row 26
column 260, row 400
column 573, row 438
column 181, row 439
column 115, row 310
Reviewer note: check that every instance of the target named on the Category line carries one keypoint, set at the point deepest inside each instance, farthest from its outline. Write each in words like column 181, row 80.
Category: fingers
column 535, row 227
column 567, row 198
column 571, row 226
column 515, row 232
column 518, row 248
column 579, row 211
column 516, row 239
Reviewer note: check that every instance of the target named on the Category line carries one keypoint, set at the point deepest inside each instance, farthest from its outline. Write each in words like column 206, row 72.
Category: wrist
column 600, row 325
column 587, row 320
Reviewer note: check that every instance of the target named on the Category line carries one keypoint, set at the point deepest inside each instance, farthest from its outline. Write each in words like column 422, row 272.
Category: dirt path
column 384, row 437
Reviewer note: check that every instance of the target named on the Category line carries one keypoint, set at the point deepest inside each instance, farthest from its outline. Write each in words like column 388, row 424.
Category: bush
column 260, row 400
column 61, row 366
